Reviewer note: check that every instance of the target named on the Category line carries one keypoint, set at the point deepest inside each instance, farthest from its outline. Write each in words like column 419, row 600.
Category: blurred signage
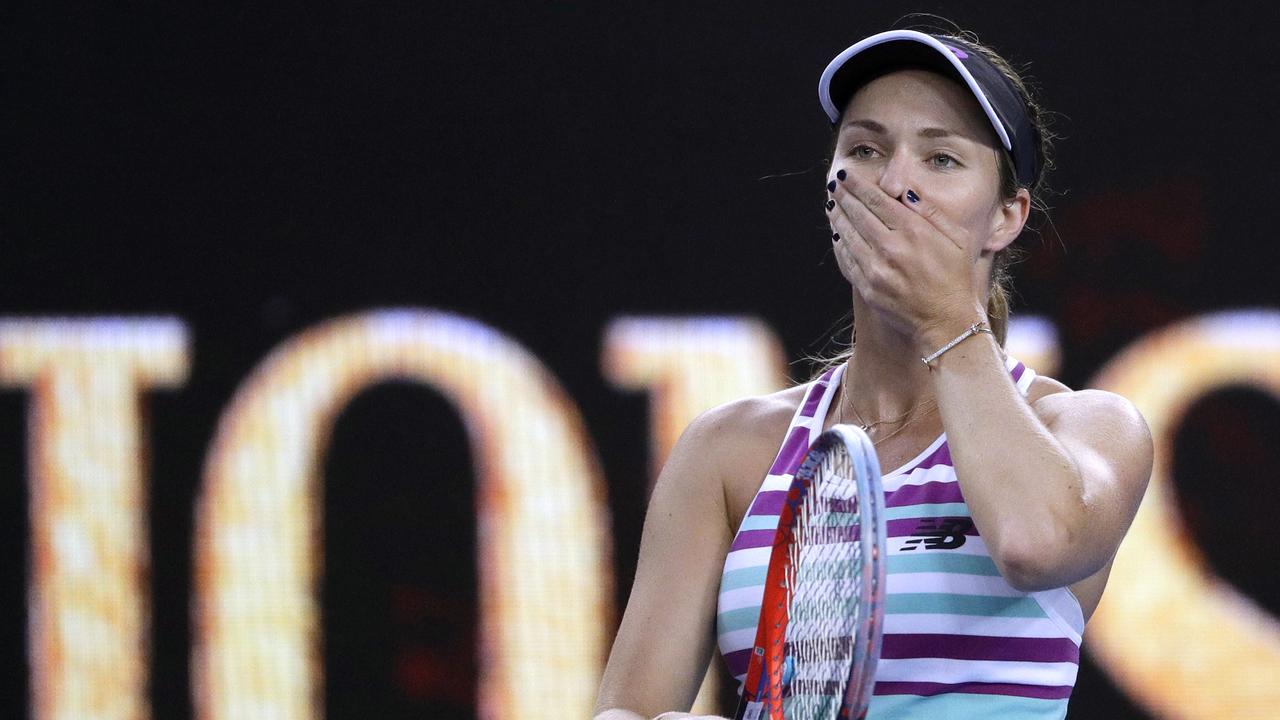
column 1182, row 642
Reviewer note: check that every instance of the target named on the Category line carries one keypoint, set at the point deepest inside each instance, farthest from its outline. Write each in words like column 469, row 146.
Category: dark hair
column 1000, row 288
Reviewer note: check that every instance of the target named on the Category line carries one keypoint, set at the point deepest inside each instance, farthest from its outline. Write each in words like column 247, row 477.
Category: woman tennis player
column 1007, row 493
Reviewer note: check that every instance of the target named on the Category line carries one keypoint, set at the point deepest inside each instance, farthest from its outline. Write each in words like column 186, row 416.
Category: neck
column 884, row 378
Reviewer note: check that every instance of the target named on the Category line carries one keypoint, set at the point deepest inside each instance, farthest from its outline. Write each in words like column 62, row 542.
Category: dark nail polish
column 841, row 174
column 912, row 196
column 831, row 204
column 835, row 237
column 831, row 186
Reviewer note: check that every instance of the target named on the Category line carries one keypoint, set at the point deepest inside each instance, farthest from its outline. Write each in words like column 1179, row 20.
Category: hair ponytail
column 998, row 297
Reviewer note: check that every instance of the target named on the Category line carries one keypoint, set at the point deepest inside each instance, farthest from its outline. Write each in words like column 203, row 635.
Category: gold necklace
column 931, row 403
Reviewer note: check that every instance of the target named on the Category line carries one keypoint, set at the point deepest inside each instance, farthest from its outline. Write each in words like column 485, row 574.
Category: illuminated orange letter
column 690, row 365
column 545, row 581
column 89, row 556
column 1172, row 634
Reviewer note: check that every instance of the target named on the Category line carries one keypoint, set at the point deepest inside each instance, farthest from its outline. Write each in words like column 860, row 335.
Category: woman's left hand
column 906, row 258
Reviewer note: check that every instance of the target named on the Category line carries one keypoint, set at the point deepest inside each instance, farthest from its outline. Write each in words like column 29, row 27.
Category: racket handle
column 751, row 684
column 748, row 710
column 749, row 706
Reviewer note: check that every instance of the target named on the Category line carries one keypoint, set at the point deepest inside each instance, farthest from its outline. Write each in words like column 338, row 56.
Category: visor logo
column 958, row 52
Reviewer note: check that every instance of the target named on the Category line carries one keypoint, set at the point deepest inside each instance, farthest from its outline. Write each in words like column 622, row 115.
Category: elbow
column 1043, row 551
column 1043, row 561
column 1027, row 573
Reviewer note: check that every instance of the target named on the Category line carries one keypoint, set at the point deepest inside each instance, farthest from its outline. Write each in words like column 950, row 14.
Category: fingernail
column 835, row 237
column 831, row 186
column 841, row 174
column 831, row 204
column 912, row 196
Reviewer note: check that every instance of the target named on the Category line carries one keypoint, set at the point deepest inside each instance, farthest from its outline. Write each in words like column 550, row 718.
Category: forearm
column 1022, row 487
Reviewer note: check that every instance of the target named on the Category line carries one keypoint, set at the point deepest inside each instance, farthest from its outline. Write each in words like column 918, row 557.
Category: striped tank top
column 959, row 642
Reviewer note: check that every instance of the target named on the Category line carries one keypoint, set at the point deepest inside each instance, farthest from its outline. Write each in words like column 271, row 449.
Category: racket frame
column 766, row 669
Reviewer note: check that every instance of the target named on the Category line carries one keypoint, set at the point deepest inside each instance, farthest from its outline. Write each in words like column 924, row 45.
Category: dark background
column 256, row 169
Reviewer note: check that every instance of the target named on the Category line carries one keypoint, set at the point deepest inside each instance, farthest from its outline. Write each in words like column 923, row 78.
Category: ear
column 1006, row 224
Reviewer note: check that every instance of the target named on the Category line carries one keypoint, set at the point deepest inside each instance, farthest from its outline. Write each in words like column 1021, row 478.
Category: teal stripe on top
column 925, row 510
column 743, row 577
column 760, row 522
column 946, row 603
column 747, row 617
column 941, row 562
column 959, row 706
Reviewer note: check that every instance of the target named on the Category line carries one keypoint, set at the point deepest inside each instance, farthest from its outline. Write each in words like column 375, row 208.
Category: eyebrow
column 876, row 127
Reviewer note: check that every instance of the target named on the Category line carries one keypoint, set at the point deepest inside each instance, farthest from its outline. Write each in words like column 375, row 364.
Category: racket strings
column 824, row 584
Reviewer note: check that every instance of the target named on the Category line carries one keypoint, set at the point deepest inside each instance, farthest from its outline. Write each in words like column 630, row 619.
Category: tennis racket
column 822, row 617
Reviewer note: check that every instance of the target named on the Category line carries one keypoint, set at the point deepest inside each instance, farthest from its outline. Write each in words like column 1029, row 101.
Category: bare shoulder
column 1042, row 386
column 738, row 441
column 746, row 424
column 1054, row 401
column 699, row 480
column 1103, row 430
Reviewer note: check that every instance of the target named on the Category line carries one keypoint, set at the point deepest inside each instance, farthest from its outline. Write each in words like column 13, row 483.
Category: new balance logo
column 939, row 534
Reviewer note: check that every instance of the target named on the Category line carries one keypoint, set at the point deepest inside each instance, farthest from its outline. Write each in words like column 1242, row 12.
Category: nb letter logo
column 939, row 534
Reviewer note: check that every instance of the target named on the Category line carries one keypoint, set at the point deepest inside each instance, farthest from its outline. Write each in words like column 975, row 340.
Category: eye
column 944, row 160
column 861, row 152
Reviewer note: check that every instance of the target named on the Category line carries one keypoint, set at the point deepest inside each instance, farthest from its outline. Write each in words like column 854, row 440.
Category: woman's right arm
column 663, row 644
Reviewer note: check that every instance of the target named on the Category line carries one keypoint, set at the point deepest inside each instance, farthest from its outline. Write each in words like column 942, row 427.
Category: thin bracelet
column 974, row 329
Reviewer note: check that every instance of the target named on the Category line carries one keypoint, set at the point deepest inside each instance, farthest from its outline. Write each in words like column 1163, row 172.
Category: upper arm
column 1110, row 445
column 661, row 650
